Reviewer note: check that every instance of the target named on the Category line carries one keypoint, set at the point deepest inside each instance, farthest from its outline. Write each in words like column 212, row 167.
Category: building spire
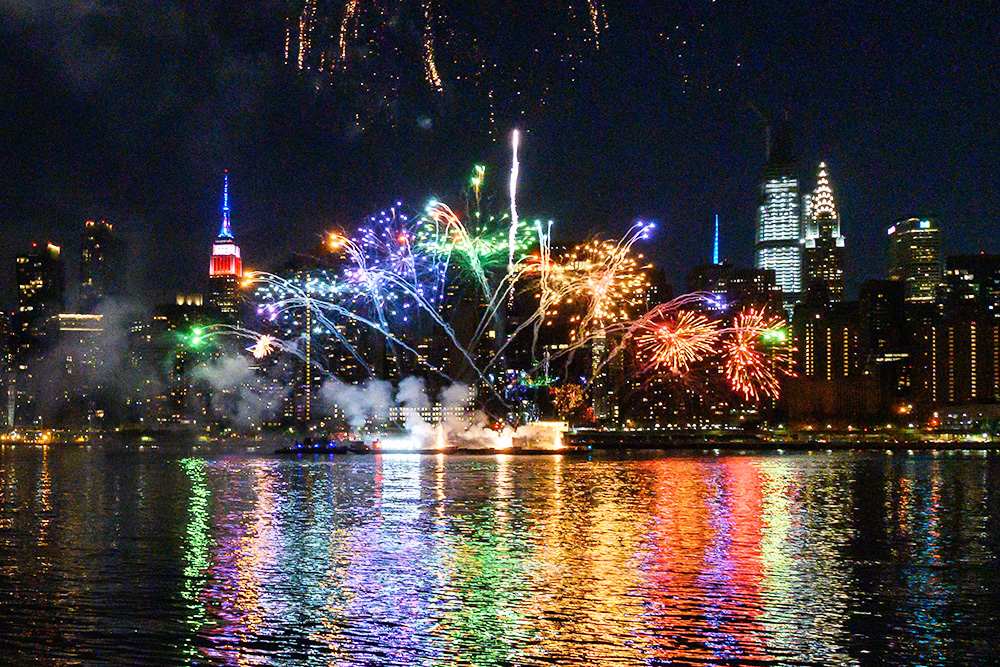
column 822, row 199
column 715, row 246
column 821, row 210
column 227, row 231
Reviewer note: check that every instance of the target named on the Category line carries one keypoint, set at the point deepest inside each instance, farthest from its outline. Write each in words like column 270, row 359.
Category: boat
column 310, row 445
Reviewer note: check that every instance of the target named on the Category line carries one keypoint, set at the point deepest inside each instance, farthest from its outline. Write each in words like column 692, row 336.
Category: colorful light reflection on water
column 158, row 558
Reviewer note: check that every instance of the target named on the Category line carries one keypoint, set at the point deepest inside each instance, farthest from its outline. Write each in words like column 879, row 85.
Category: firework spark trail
column 383, row 248
column 263, row 344
column 595, row 283
column 602, row 277
column 605, row 274
column 673, row 336
column 373, row 279
column 397, row 263
column 441, row 214
column 293, row 298
column 477, row 183
column 347, row 22
column 437, row 237
column 323, row 309
column 387, row 239
column 595, row 11
column 515, row 168
column 537, row 271
column 306, row 20
column 350, row 13
column 444, row 238
column 430, row 65
column 545, row 290
column 387, row 267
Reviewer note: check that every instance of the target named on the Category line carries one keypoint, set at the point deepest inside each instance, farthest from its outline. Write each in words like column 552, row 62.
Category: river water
column 177, row 556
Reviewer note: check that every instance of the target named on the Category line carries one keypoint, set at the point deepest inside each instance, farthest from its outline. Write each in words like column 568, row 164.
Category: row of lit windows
column 786, row 264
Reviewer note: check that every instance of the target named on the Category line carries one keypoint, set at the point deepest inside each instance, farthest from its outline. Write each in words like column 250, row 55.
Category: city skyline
column 840, row 350
column 804, row 220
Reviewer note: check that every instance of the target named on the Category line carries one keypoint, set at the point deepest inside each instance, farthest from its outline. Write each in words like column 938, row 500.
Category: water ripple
column 154, row 558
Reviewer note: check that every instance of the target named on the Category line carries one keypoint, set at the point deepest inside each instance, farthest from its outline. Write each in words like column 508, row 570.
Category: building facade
column 41, row 293
column 827, row 341
column 973, row 280
column 823, row 253
column 915, row 258
column 778, row 236
column 733, row 288
column 957, row 361
column 100, row 264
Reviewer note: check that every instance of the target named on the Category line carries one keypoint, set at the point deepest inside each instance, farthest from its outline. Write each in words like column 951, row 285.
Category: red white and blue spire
column 226, row 259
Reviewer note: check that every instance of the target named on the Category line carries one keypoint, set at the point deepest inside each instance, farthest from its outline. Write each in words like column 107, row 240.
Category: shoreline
column 693, row 448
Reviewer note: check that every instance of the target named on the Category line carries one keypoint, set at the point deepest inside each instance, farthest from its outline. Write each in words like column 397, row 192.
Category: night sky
column 129, row 112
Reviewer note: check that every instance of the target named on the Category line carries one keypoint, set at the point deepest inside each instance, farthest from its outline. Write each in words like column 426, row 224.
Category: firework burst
column 602, row 282
column 753, row 354
column 678, row 342
column 262, row 347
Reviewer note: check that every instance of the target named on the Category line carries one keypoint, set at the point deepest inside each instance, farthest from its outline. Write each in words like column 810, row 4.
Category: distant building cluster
column 921, row 341
column 86, row 356
column 916, row 347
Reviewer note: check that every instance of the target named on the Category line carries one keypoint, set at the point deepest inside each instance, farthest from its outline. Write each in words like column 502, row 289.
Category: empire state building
column 225, row 269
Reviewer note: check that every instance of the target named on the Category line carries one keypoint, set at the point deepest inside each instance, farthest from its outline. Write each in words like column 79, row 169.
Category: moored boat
column 311, row 445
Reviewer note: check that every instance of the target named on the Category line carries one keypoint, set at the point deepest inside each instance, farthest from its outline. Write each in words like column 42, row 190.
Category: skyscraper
column 226, row 267
column 100, row 264
column 778, row 237
column 41, row 290
column 973, row 279
column 824, row 244
column 915, row 258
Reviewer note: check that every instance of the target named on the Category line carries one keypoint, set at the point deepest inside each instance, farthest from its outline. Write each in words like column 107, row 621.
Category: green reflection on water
column 196, row 549
column 488, row 581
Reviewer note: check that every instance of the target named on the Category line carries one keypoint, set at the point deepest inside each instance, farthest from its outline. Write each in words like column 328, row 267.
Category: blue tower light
column 715, row 247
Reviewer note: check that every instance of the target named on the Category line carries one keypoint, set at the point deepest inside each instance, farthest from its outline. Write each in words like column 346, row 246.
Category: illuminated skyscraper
column 100, row 264
column 778, row 237
column 824, row 244
column 41, row 291
column 226, row 268
column 915, row 258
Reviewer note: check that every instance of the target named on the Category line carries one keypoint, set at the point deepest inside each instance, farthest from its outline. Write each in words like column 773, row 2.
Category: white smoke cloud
column 456, row 396
column 412, row 393
column 411, row 396
column 362, row 404
column 359, row 403
column 237, row 393
column 92, row 370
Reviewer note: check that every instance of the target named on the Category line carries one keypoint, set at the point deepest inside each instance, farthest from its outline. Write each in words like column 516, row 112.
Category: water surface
column 172, row 556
